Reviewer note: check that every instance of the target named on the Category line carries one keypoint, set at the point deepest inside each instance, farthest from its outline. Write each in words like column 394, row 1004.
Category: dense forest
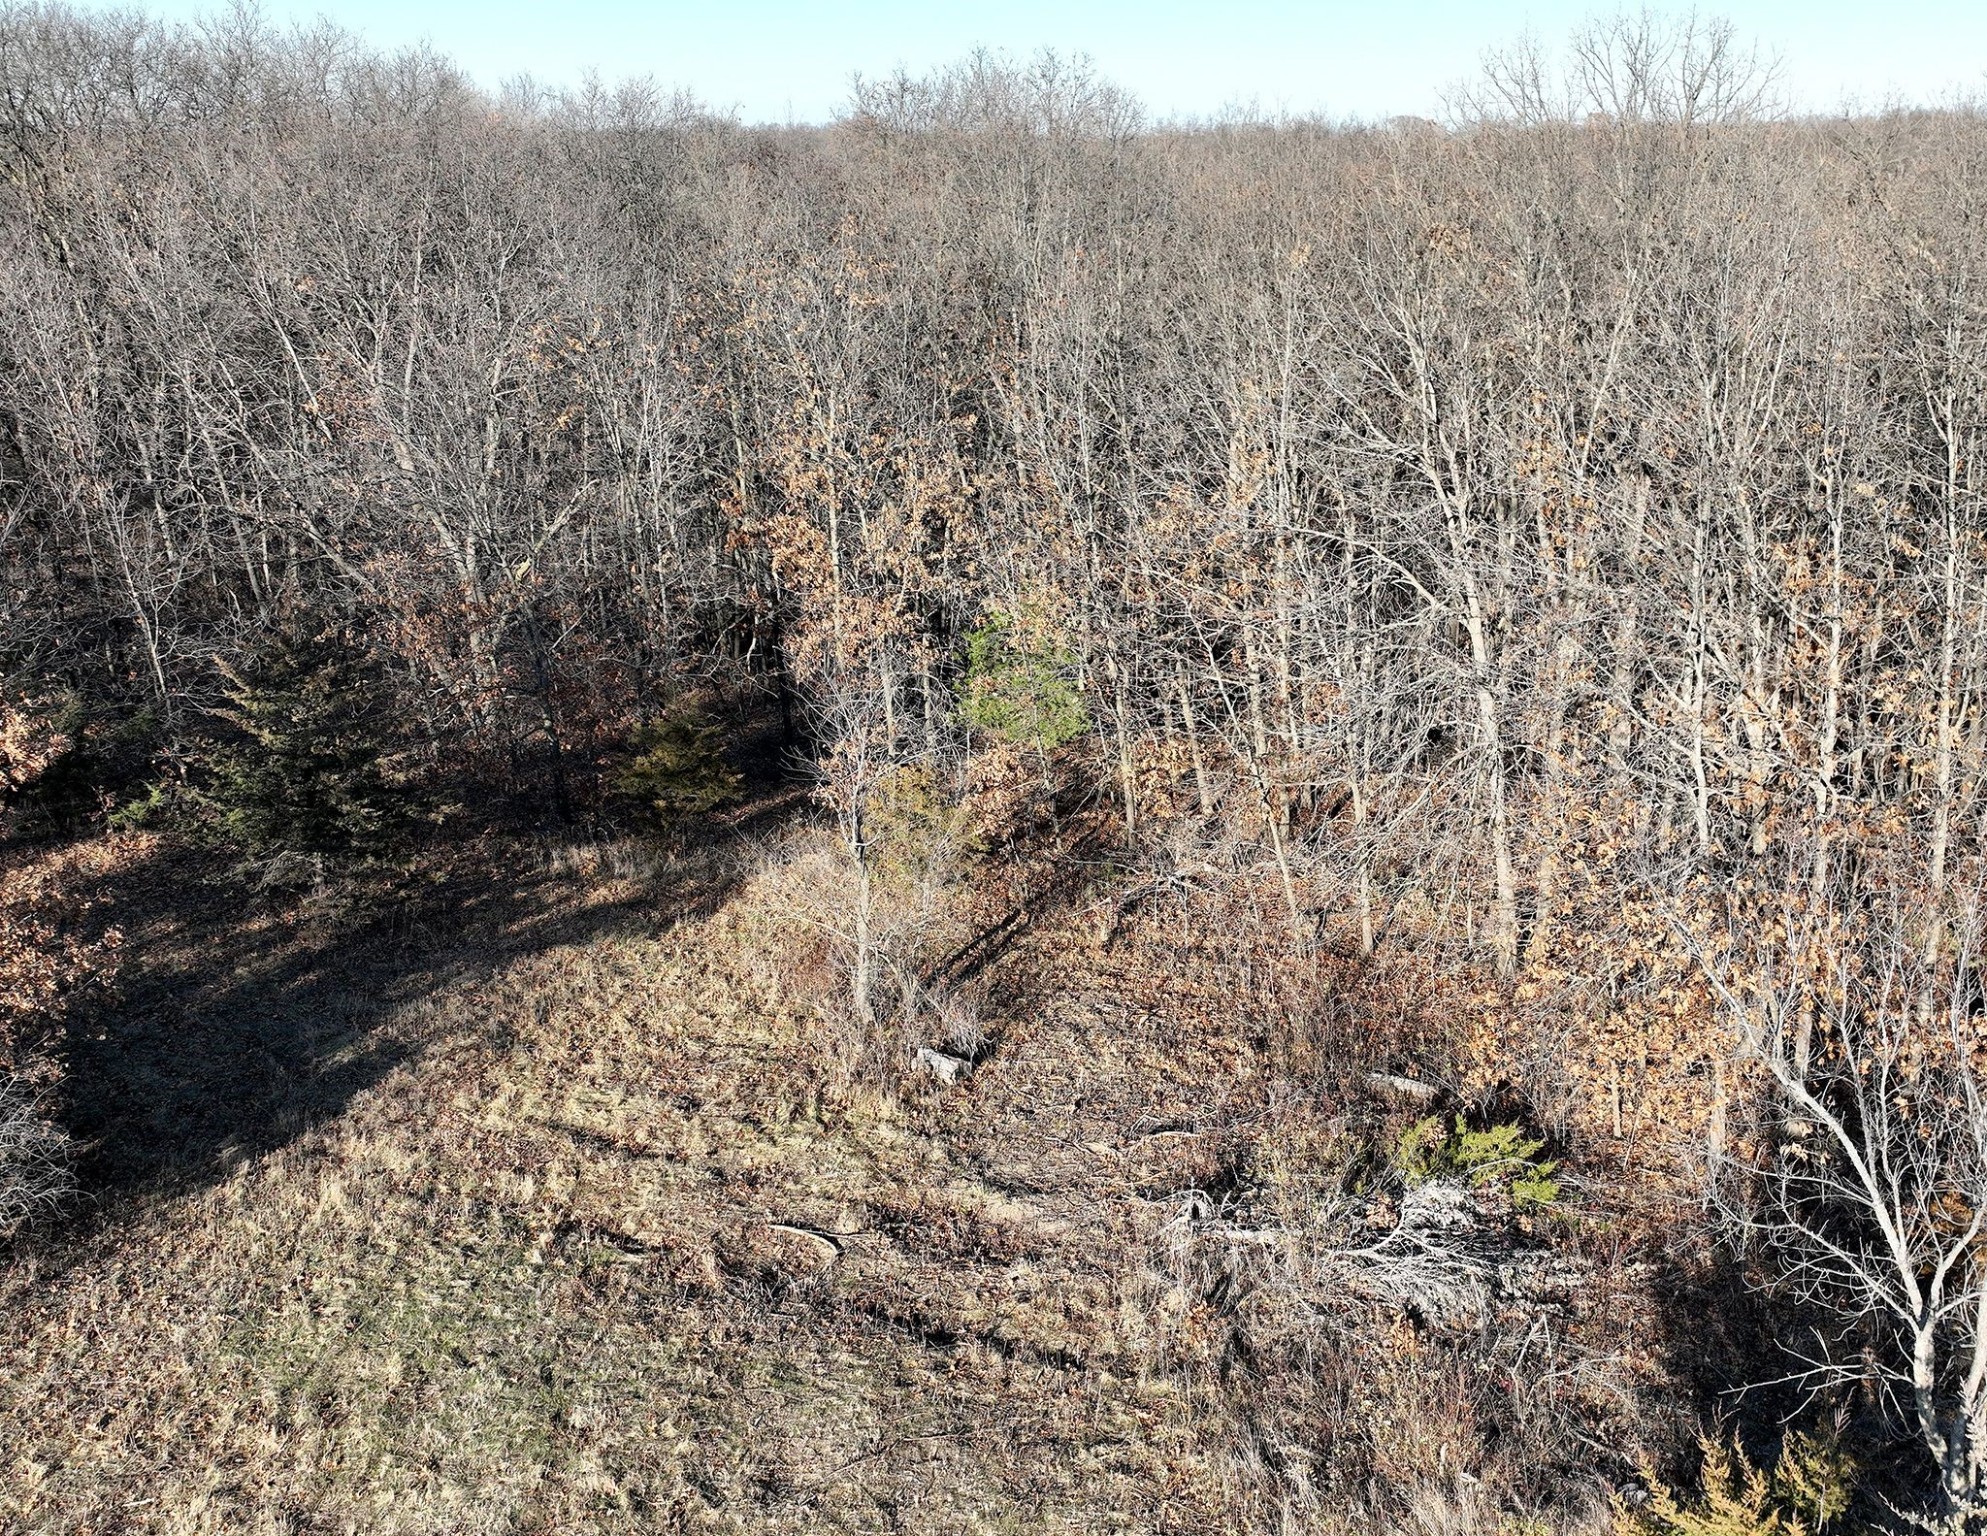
column 1458, row 649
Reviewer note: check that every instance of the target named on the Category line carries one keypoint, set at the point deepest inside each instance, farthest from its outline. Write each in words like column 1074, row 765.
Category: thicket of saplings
column 1543, row 550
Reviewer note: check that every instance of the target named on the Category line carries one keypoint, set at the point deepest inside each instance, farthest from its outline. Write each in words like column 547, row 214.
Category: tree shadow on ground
column 1739, row 1353
column 240, row 1021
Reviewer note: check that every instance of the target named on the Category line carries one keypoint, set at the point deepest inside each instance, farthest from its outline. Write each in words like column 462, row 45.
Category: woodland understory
column 990, row 818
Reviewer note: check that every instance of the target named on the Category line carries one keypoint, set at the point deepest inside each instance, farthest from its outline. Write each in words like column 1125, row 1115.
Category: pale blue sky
column 777, row 59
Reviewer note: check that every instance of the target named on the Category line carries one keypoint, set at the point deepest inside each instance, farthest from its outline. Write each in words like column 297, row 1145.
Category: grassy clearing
column 526, row 1280
column 547, row 1264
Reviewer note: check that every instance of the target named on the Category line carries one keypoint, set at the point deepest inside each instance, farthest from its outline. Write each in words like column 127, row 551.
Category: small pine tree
column 1498, row 1154
column 917, row 828
column 1737, row 1501
column 677, row 769
column 63, row 757
column 305, row 772
column 1015, row 688
column 1816, row 1478
column 1805, row 1493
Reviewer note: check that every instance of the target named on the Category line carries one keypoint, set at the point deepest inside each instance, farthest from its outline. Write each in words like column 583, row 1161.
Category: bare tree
column 1866, row 1188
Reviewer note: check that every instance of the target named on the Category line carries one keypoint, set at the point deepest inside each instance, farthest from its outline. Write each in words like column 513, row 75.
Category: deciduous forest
column 995, row 817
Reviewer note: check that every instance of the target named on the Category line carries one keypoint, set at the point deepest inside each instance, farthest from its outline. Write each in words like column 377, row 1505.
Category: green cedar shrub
column 1497, row 1154
column 305, row 770
column 1017, row 689
column 1806, row 1492
column 676, row 769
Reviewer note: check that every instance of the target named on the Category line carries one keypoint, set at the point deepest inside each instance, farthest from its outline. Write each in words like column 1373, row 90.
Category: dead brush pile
column 1373, row 1290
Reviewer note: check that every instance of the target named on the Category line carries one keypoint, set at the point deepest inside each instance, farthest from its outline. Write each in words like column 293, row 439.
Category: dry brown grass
column 548, row 1268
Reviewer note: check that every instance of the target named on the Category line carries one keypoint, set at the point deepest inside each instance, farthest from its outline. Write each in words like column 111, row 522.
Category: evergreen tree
column 305, row 773
column 677, row 770
column 1017, row 688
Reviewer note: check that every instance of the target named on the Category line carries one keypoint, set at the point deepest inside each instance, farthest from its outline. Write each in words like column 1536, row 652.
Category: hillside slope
column 553, row 1211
